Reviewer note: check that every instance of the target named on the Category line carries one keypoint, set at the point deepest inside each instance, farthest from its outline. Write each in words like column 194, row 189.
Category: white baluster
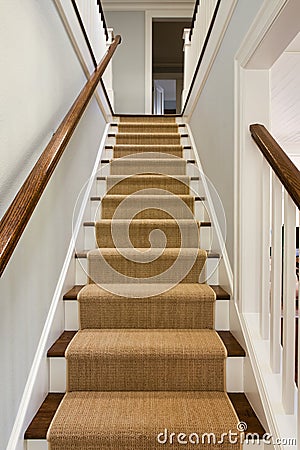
column 289, row 305
column 265, row 253
column 276, row 266
column 298, row 421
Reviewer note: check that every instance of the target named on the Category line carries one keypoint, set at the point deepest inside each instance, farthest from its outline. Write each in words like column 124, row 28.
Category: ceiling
column 285, row 97
column 142, row 5
column 167, row 46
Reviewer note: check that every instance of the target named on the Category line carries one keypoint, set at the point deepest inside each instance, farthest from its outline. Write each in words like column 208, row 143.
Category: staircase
column 153, row 363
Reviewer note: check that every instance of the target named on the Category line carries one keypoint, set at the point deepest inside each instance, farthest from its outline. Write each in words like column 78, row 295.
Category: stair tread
column 39, row 426
column 154, row 343
column 155, row 146
column 144, row 126
column 148, row 221
column 131, row 160
column 147, row 133
column 221, row 294
column 57, row 350
column 83, row 254
column 139, row 177
column 132, row 420
column 118, row 196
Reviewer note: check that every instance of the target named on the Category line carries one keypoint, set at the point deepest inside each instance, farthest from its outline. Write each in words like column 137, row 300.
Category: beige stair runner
column 147, row 369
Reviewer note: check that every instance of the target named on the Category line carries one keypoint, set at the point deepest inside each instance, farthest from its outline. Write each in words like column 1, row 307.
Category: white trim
column 139, row 5
column 149, row 16
column 257, row 373
column 223, row 18
column 259, row 28
column 281, row 425
column 37, row 383
column 225, row 257
column 275, row 27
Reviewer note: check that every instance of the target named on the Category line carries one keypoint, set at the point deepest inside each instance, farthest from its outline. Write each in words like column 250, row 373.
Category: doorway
column 167, row 64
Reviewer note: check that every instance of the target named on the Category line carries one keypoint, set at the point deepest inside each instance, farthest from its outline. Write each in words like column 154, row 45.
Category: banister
column 203, row 50
column 19, row 212
column 194, row 18
column 103, row 18
column 83, row 30
column 284, row 168
column 89, row 46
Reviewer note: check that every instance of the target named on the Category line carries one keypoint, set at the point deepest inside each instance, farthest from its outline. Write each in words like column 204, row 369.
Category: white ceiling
column 285, row 97
column 142, row 5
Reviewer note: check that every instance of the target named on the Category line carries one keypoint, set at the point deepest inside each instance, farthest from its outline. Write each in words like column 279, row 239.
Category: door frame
column 149, row 16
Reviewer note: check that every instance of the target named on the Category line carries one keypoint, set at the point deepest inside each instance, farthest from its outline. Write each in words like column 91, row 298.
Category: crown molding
column 143, row 5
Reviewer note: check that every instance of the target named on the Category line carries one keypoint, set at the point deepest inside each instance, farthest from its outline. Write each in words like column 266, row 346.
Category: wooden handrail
column 19, row 212
column 284, row 168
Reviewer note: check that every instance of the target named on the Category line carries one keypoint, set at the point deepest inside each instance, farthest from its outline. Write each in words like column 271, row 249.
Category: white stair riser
column 234, row 374
column 38, row 444
column 81, row 271
column 210, row 272
column 222, row 311
column 71, row 315
column 221, row 315
column 43, row 445
column 90, row 239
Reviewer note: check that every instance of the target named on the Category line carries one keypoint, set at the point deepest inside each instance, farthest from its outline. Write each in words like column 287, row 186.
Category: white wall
column 212, row 121
column 40, row 78
column 129, row 61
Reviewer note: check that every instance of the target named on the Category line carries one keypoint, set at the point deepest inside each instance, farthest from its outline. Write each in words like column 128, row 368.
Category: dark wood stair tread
column 57, row 350
column 220, row 292
column 72, row 293
column 41, row 422
column 246, row 413
column 234, row 349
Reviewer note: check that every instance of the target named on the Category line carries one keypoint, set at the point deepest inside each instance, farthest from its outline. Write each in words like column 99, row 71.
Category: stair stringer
column 37, row 386
column 251, row 386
